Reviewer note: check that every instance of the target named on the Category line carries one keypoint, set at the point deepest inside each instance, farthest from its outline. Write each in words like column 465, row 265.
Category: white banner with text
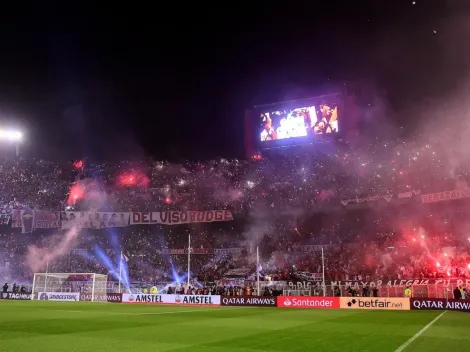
column 190, row 300
column 180, row 217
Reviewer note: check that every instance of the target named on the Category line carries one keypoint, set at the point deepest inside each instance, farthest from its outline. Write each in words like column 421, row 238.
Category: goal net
column 69, row 286
column 296, row 292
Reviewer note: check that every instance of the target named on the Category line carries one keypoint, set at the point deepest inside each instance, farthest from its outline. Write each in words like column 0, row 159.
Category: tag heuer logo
column 4, row 295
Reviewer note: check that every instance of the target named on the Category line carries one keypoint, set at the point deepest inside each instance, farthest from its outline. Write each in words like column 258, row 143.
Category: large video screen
column 282, row 124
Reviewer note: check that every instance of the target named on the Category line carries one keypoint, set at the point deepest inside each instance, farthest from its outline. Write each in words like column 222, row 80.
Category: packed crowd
column 389, row 248
column 398, row 241
column 326, row 174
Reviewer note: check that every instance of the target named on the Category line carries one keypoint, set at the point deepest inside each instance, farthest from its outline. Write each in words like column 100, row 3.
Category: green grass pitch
column 27, row 326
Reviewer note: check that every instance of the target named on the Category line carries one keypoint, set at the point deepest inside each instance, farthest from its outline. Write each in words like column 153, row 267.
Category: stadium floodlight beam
column 13, row 136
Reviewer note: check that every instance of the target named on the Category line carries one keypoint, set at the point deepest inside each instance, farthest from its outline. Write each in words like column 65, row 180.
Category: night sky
column 172, row 81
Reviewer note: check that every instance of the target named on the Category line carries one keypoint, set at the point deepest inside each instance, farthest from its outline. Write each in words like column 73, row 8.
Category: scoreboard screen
column 298, row 122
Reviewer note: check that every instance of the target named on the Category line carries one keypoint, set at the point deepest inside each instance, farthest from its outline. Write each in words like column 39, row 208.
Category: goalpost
column 304, row 292
column 78, row 286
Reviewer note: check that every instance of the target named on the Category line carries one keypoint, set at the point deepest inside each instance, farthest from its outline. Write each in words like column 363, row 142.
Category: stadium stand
column 365, row 205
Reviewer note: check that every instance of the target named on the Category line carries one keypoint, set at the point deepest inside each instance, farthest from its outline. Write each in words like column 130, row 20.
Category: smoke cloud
column 56, row 246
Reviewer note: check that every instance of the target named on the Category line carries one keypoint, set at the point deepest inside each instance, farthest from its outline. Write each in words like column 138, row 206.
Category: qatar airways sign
column 440, row 304
column 308, row 302
column 248, row 301
column 180, row 217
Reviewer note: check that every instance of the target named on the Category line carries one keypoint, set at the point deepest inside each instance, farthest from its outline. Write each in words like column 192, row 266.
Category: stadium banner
column 16, row 296
column 109, row 297
column 307, row 276
column 399, row 283
column 444, row 196
column 5, row 215
column 248, row 301
column 194, row 250
column 372, row 303
column 180, row 217
column 28, row 220
column 231, row 282
column 94, row 220
column 307, row 302
column 387, row 197
column 440, row 304
column 184, row 300
column 235, row 250
column 311, row 248
column 59, row 296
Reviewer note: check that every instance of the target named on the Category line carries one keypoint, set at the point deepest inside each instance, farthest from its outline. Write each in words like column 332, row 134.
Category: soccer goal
column 69, row 286
column 296, row 292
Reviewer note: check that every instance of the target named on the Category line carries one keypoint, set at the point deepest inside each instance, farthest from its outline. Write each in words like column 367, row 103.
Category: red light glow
column 78, row 164
column 76, row 193
column 133, row 179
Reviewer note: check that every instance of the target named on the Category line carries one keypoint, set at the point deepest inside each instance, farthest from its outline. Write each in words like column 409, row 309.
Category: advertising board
column 248, row 301
column 59, row 296
column 15, row 296
column 440, row 304
column 109, row 297
column 375, row 303
column 308, row 302
column 197, row 300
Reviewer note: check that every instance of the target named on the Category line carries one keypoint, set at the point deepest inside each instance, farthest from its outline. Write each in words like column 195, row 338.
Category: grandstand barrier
column 440, row 304
column 184, row 300
column 16, row 296
column 65, row 297
column 248, row 301
column 108, row 297
column 436, row 289
column 308, row 302
column 59, row 296
column 375, row 303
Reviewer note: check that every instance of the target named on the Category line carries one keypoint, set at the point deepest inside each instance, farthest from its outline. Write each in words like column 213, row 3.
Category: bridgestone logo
column 62, row 297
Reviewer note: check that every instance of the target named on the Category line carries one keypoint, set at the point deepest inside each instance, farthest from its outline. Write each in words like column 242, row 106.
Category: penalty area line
column 419, row 333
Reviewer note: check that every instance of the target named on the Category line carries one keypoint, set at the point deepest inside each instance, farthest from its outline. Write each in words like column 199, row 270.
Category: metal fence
column 419, row 291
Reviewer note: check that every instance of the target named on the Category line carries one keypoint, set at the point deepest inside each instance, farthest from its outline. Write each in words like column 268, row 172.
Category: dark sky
column 172, row 80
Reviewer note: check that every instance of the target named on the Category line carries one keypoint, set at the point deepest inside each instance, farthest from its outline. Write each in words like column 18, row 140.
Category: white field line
column 419, row 333
column 145, row 313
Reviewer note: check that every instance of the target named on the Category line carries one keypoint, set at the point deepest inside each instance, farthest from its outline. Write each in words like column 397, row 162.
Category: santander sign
column 307, row 302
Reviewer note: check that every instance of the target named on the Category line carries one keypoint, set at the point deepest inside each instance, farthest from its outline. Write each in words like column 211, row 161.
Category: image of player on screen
column 328, row 120
column 268, row 134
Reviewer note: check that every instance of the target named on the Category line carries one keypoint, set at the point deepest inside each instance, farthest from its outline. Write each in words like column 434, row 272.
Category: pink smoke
column 37, row 258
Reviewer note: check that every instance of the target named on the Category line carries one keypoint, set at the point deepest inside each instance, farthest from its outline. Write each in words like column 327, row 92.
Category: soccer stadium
column 333, row 250
column 274, row 177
